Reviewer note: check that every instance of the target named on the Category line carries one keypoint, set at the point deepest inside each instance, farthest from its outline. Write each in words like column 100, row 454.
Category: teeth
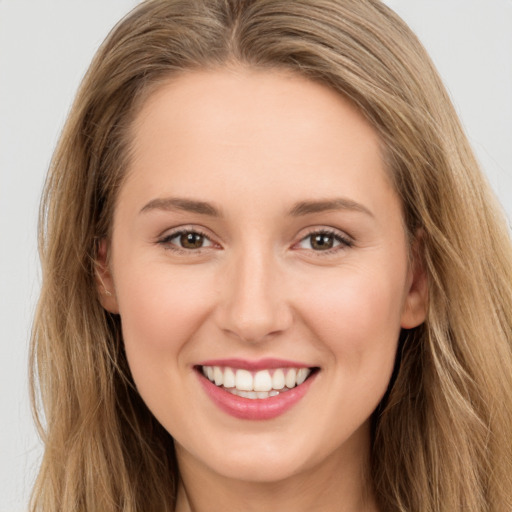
column 218, row 376
column 262, row 381
column 291, row 377
column 261, row 384
column 243, row 380
column 229, row 378
column 302, row 375
column 278, row 380
column 253, row 394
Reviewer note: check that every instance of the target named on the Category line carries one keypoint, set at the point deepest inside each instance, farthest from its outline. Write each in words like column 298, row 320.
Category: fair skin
column 258, row 222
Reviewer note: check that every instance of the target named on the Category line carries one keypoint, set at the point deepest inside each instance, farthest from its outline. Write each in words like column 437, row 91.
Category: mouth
column 260, row 384
column 258, row 391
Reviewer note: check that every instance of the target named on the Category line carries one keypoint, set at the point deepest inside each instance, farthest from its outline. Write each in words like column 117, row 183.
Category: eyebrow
column 186, row 205
column 308, row 207
column 299, row 209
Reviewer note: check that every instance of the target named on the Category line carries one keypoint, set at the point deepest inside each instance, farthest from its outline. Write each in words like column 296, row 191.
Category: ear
column 414, row 311
column 104, row 279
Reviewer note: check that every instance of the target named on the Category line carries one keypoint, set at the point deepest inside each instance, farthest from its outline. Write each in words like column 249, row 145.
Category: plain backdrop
column 45, row 47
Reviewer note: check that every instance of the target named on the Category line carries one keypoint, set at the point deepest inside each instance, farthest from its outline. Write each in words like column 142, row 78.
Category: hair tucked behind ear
column 442, row 436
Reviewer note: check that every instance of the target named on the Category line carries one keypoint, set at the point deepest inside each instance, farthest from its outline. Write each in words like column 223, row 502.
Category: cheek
column 357, row 321
column 357, row 310
column 160, row 310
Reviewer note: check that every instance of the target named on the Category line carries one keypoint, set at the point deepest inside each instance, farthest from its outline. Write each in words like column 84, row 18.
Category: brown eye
column 322, row 241
column 186, row 240
column 191, row 240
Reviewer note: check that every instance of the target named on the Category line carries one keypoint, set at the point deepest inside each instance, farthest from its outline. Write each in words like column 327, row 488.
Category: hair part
column 442, row 434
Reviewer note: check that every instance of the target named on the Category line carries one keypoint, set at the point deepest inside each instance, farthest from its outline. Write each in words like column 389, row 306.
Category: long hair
column 442, row 437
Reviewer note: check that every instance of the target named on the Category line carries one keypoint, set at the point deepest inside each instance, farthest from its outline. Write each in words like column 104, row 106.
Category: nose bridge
column 254, row 302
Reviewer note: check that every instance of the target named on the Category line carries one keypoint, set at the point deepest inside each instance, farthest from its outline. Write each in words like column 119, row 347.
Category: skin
column 254, row 144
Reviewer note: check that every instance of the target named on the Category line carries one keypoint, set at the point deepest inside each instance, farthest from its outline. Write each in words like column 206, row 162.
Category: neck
column 340, row 483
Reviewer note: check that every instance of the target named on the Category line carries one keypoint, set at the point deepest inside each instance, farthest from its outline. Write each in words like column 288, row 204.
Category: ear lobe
column 416, row 302
column 104, row 279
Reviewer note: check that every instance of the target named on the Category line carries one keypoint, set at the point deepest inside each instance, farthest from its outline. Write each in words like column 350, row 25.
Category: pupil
column 322, row 242
column 191, row 240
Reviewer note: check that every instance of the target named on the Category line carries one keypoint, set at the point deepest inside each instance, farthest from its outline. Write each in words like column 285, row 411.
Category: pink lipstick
column 255, row 390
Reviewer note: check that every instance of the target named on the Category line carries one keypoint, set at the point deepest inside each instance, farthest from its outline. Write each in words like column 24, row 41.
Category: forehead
column 252, row 129
column 248, row 98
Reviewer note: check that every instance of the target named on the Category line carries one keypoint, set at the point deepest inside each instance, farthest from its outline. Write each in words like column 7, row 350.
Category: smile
column 256, row 385
column 255, row 390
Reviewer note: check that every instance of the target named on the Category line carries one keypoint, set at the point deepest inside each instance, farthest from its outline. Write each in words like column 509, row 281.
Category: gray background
column 45, row 47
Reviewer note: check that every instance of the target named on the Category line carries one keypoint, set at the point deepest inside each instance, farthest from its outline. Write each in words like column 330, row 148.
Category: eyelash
column 343, row 241
column 168, row 245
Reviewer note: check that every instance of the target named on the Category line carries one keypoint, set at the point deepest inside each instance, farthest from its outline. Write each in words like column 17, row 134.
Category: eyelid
column 345, row 240
column 169, row 234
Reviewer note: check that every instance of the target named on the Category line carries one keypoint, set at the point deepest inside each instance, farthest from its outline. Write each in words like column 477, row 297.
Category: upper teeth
column 264, row 380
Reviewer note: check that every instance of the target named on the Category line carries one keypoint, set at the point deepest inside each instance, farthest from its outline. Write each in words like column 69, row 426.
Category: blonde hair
column 442, row 436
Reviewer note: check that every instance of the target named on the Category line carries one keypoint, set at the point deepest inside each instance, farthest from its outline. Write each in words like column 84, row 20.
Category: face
column 257, row 242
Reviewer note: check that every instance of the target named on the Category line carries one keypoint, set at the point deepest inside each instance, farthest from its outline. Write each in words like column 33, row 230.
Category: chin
column 261, row 459
column 259, row 469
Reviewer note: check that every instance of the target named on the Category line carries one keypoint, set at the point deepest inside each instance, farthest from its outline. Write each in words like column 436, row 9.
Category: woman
column 273, row 275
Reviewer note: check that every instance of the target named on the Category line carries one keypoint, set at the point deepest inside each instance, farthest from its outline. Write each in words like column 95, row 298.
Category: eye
column 187, row 240
column 324, row 241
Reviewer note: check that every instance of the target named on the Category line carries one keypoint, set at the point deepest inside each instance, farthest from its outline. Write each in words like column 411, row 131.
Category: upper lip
column 260, row 364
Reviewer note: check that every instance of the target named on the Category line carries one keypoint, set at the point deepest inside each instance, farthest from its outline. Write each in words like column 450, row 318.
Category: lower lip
column 255, row 409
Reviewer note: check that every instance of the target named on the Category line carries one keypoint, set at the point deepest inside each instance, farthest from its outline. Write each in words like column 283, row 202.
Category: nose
column 253, row 305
